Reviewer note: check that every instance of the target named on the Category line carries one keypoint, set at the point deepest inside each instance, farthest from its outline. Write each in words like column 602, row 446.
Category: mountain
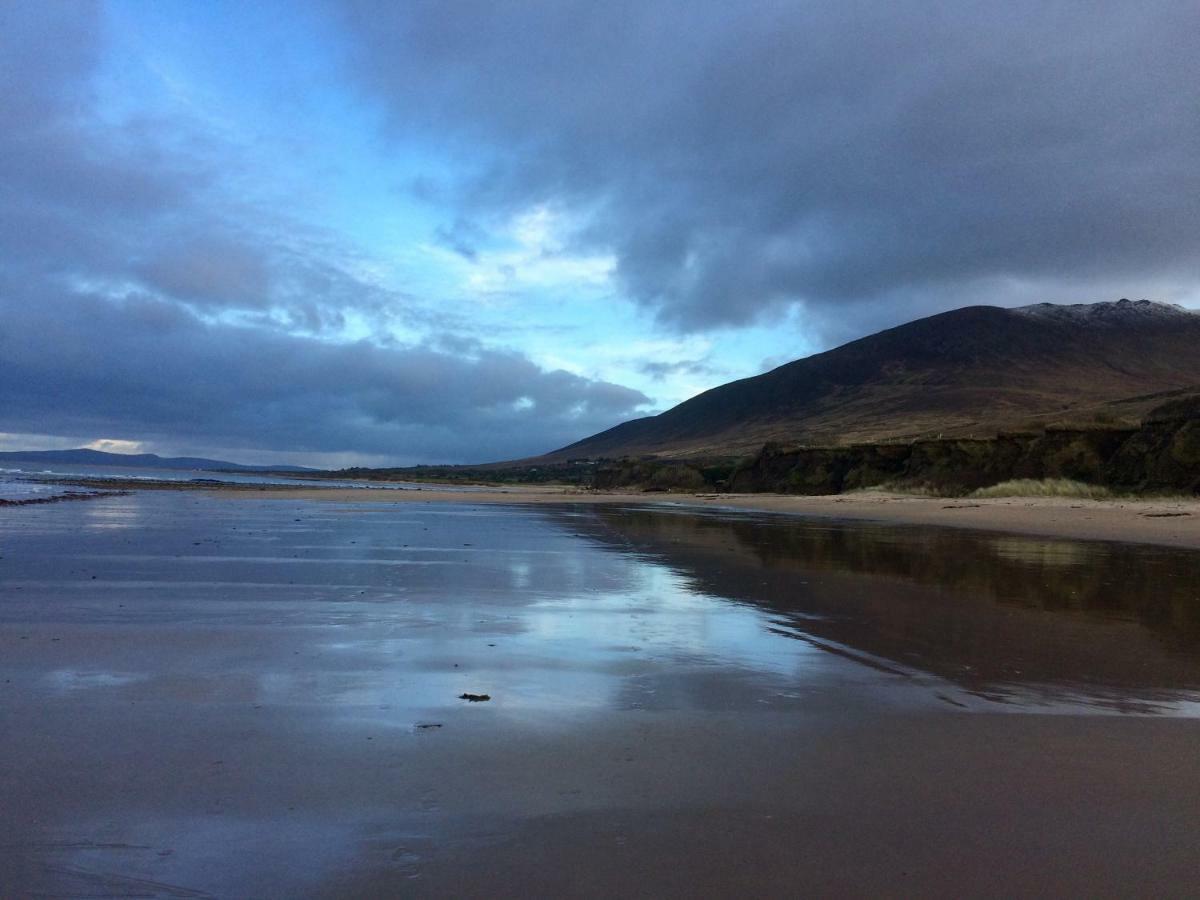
column 84, row 457
column 971, row 372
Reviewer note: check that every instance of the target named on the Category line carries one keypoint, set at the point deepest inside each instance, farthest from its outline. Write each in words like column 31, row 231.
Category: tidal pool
column 202, row 696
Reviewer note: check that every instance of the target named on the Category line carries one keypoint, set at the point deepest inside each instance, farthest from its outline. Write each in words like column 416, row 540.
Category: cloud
column 147, row 301
column 531, row 250
column 155, row 205
column 81, row 364
column 462, row 237
column 212, row 269
column 660, row 370
column 851, row 160
column 115, row 445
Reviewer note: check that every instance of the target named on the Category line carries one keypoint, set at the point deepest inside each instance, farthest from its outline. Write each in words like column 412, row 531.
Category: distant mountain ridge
column 975, row 371
column 85, row 457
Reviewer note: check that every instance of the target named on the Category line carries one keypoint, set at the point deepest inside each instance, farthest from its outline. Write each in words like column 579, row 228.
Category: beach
column 210, row 695
column 1169, row 521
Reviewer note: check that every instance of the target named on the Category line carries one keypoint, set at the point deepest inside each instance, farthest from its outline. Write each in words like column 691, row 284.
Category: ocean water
column 18, row 484
column 20, row 481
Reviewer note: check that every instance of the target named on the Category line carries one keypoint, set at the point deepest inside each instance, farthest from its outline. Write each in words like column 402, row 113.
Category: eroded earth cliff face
column 1162, row 455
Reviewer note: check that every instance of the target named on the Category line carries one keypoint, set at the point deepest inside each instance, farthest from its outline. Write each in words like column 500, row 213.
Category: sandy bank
column 1171, row 522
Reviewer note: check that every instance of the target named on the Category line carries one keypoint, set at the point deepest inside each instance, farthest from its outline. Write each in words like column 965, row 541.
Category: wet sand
column 1172, row 522
column 209, row 698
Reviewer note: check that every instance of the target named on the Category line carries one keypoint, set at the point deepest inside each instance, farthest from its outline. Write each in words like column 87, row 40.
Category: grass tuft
column 1045, row 487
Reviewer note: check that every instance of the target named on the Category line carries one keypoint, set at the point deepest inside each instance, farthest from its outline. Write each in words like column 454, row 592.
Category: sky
column 381, row 233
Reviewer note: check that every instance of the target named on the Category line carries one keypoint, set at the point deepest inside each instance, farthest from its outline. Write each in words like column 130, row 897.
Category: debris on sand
column 475, row 698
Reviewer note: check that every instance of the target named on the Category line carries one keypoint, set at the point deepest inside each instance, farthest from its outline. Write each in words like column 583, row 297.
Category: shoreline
column 66, row 497
column 1163, row 521
column 1172, row 522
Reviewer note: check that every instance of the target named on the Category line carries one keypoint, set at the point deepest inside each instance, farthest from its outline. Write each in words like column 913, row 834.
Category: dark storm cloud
column 149, row 369
column 122, row 262
column 66, row 196
column 741, row 158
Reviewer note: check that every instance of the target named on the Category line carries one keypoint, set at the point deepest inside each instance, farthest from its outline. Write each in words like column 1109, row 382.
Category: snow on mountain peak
column 1106, row 313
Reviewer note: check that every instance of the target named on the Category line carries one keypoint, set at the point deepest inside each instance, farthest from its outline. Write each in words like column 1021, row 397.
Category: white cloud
column 532, row 250
column 115, row 445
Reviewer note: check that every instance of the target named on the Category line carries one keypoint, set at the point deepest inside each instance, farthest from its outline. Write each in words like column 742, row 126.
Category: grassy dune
column 1044, row 487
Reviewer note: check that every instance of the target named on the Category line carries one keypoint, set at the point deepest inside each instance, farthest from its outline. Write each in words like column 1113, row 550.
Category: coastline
column 1173, row 522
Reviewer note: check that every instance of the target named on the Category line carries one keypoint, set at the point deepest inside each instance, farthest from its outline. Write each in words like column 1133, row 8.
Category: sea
column 29, row 480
